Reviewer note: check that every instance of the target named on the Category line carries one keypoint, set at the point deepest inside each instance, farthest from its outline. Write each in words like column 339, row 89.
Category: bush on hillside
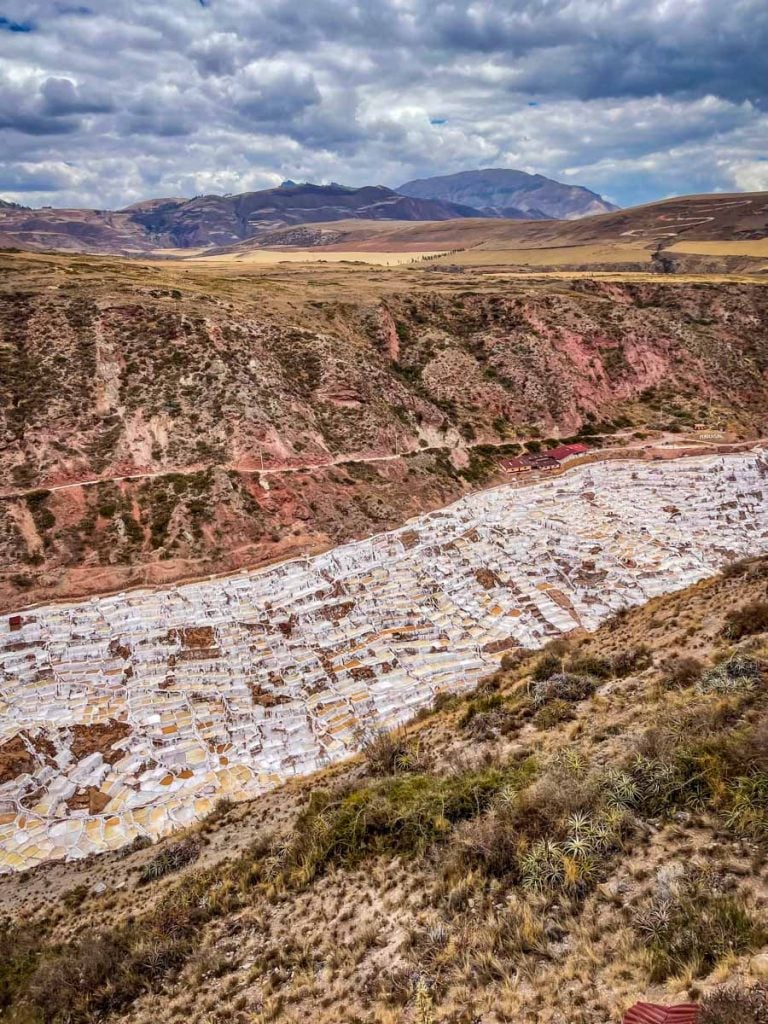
column 554, row 713
column 750, row 618
column 563, row 686
column 546, row 666
column 735, row 675
column 681, row 671
column 630, row 660
column 694, row 928
column 389, row 752
column 403, row 814
column 591, row 665
column 736, row 1004
column 172, row 858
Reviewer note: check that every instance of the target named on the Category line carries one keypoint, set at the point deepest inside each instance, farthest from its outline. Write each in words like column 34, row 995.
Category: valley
column 151, row 706
column 384, row 512
column 531, row 828
column 164, row 421
column 382, row 618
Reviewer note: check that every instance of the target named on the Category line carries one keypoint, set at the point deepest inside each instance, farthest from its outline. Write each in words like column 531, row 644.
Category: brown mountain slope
column 709, row 217
column 370, row 219
column 212, row 220
column 586, row 830
column 692, row 234
column 260, row 418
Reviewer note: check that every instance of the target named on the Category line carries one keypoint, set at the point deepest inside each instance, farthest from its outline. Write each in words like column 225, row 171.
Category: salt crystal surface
column 231, row 685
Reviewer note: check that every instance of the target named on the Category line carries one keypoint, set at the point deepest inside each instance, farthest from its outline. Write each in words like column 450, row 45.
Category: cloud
column 635, row 99
column 61, row 97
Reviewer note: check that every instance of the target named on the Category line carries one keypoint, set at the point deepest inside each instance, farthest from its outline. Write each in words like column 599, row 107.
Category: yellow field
column 272, row 257
column 560, row 256
column 751, row 247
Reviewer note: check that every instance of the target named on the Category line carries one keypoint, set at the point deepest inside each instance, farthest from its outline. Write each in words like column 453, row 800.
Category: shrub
column 19, row 946
column 513, row 659
column 735, row 569
column 554, row 713
column 403, row 814
column 546, row 666
column 72, row 898
column 736, row 1004
column 564, row 687
column 681, row 671
column 489, row 725
column 736, row 675
column 102, row 972
column 750, row 618
column 488, row 843
column 591, row 665
column 633, row 659
column 174, row 857
column 572, row 863
column 694, row 929
column 444, row 701
column 485, row 700
column 747, row 806
column 655, row 786
column 390, row 752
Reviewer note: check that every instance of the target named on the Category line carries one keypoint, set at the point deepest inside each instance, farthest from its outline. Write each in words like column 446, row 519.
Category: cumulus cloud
column 106, row 104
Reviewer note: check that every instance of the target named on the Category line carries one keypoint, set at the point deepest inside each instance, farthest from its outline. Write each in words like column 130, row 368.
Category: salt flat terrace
column 132, row 714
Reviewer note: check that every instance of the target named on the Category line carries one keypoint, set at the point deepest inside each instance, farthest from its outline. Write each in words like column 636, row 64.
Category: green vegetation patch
column 404, row 815
column 692, row 930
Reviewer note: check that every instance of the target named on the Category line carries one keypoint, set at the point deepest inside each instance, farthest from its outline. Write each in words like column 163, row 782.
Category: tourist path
column 666, row 441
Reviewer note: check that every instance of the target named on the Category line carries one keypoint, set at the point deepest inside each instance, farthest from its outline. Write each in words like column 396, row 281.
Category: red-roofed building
column 652, row 1013
column 565, row 451
column 514, row 465
column 545, row 460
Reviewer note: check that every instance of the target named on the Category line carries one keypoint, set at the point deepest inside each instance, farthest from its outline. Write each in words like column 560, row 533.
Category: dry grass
column 732, row 247
column 567, row 255
column 275, row 257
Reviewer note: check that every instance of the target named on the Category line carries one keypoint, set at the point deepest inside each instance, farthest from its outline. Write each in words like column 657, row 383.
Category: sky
column 106, row 103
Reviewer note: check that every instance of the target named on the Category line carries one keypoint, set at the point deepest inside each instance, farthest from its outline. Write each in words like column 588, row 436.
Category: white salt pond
column 229, row 686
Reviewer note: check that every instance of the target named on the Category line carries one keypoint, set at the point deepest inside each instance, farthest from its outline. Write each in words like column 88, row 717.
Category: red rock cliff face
column 199, row 395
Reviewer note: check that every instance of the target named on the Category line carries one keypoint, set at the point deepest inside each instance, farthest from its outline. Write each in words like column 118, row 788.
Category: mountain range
column 499, row 192
column 214, row 220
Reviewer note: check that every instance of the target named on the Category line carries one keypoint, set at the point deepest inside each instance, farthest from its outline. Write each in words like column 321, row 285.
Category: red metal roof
column 567, row 449
column 544, row 459
column 652, row 1013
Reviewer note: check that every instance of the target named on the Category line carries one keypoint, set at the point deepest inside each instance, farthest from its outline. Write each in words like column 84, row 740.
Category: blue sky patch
column 8, row 25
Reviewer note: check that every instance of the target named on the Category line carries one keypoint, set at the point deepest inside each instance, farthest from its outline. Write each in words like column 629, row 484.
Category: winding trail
column 669, row 442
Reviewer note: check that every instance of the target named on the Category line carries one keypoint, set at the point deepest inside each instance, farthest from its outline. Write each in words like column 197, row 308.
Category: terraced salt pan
column 226, row 687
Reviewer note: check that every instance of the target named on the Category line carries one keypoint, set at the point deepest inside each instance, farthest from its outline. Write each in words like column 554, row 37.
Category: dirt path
column 143, row 575
column 336, row 460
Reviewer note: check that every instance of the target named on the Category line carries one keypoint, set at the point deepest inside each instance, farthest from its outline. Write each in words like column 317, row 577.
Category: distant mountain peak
column 505, row 192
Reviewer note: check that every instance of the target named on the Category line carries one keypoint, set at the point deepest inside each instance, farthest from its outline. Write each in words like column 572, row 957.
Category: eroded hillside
column 586, row 829
column 210, row 384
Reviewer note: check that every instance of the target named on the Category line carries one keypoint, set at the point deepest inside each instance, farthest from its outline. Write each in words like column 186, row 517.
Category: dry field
column 757, row 247
column 492, row 254
column 274, row 257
